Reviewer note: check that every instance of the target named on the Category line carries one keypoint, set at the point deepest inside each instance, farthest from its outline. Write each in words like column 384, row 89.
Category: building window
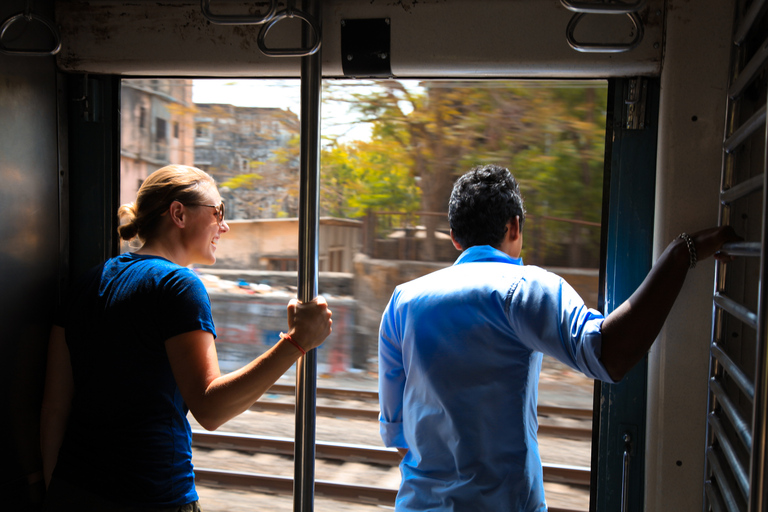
column 161, row 129
column 283, row 264
column 176, row 130
column 336, row 260
column 142, row 117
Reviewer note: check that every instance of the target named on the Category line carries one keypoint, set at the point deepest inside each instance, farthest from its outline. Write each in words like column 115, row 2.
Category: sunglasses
column 219, row 210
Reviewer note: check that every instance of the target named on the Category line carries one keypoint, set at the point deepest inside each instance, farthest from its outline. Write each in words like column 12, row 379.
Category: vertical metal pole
column 758, row 472
column 306, row 369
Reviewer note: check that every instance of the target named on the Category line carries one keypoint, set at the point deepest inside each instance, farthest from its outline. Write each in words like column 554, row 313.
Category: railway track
column 365, row 409
column 373, row 413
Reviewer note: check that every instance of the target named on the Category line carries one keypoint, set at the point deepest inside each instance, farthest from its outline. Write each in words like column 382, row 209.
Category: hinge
column 634, row 103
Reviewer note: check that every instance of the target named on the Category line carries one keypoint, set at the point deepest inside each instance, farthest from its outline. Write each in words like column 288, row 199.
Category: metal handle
column 290, row 52
column 238, row 19
column 604, row 8
column 625, row 473
column 603, row 47
column 29, row 16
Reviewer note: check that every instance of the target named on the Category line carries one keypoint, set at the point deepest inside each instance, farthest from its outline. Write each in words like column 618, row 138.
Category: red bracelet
column 284, row 336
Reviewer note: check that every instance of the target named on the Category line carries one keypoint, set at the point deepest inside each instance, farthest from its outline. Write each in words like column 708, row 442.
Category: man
column 460, row 352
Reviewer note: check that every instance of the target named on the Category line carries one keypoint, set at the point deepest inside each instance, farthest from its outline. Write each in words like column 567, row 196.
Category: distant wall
column 250, row 243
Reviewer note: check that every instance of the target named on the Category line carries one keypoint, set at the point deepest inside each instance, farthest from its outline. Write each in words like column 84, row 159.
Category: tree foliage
column 549, row 134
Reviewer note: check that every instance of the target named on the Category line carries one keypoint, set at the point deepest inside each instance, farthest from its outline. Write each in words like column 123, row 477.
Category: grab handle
column 603, row 47
column 290, row 12
column 29, row 16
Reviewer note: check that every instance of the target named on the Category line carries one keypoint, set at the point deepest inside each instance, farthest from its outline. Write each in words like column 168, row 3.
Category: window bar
column 737, row 374
column 750, row 71
column 738, row 310
column 747, row 249
column 748, row 21
column 306, row 367
column 744, row 188
column 739, row 472
column 758, row 499
column 714, row 496
column 725, row 489
column 714, row 499
column 755, row 122
column 728, row 407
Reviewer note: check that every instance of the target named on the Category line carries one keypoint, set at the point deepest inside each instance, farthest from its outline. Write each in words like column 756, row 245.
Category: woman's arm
column 630, row 330
column 57, row 400
column 214, row 398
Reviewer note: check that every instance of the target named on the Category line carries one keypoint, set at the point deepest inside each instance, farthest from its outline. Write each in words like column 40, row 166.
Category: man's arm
column 630, row 330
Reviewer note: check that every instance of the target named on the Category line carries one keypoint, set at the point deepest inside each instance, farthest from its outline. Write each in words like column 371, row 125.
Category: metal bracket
column 365, row 47
column 635, row 99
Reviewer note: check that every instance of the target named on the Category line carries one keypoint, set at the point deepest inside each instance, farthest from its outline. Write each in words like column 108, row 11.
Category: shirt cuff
column 392, row 434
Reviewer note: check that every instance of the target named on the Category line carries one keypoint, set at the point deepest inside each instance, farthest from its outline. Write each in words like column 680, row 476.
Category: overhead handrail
column 29, row 16
column 238, row 19
column 290, row 12
column 604, row 8
column 604, row 47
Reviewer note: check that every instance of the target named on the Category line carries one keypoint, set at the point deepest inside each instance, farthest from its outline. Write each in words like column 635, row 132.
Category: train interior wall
column 687, row 46
column 29, row 258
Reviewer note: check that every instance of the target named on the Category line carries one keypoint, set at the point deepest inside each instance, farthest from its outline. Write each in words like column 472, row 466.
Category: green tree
column 550, row 134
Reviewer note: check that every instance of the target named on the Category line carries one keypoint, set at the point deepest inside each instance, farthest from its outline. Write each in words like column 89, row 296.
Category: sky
column 283, row 94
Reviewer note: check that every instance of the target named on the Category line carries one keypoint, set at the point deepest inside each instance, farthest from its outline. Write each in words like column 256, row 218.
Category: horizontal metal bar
column 748, row 249
column 604, row 7
column 746, row 23
column 722, row 483
column 742, row 133
column 734, row 371
column 749, row 71
column 738, row 470
column 726, row 404
column 734, row 308
column 742, row 189
column 715, row 499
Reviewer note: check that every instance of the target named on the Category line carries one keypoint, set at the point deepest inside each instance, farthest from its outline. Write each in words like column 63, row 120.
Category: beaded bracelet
column 691, row 249
column 284, row 336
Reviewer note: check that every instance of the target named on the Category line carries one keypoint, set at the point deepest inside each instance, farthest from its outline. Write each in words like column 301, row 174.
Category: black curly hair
column 482, row 202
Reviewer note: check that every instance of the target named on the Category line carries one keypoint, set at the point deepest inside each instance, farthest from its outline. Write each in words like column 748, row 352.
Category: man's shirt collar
column 486, row 253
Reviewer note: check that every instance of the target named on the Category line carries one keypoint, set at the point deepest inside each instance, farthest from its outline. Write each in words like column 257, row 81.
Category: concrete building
column 157, row 129
column 253, row 154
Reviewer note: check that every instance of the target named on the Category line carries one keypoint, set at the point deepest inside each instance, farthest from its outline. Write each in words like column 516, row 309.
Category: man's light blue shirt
column 460, row 353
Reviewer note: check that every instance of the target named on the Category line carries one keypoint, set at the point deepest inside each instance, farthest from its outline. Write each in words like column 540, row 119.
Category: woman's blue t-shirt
column 128, row 438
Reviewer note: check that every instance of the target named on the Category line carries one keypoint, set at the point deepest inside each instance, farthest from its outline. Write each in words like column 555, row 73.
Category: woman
column 139, row 354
